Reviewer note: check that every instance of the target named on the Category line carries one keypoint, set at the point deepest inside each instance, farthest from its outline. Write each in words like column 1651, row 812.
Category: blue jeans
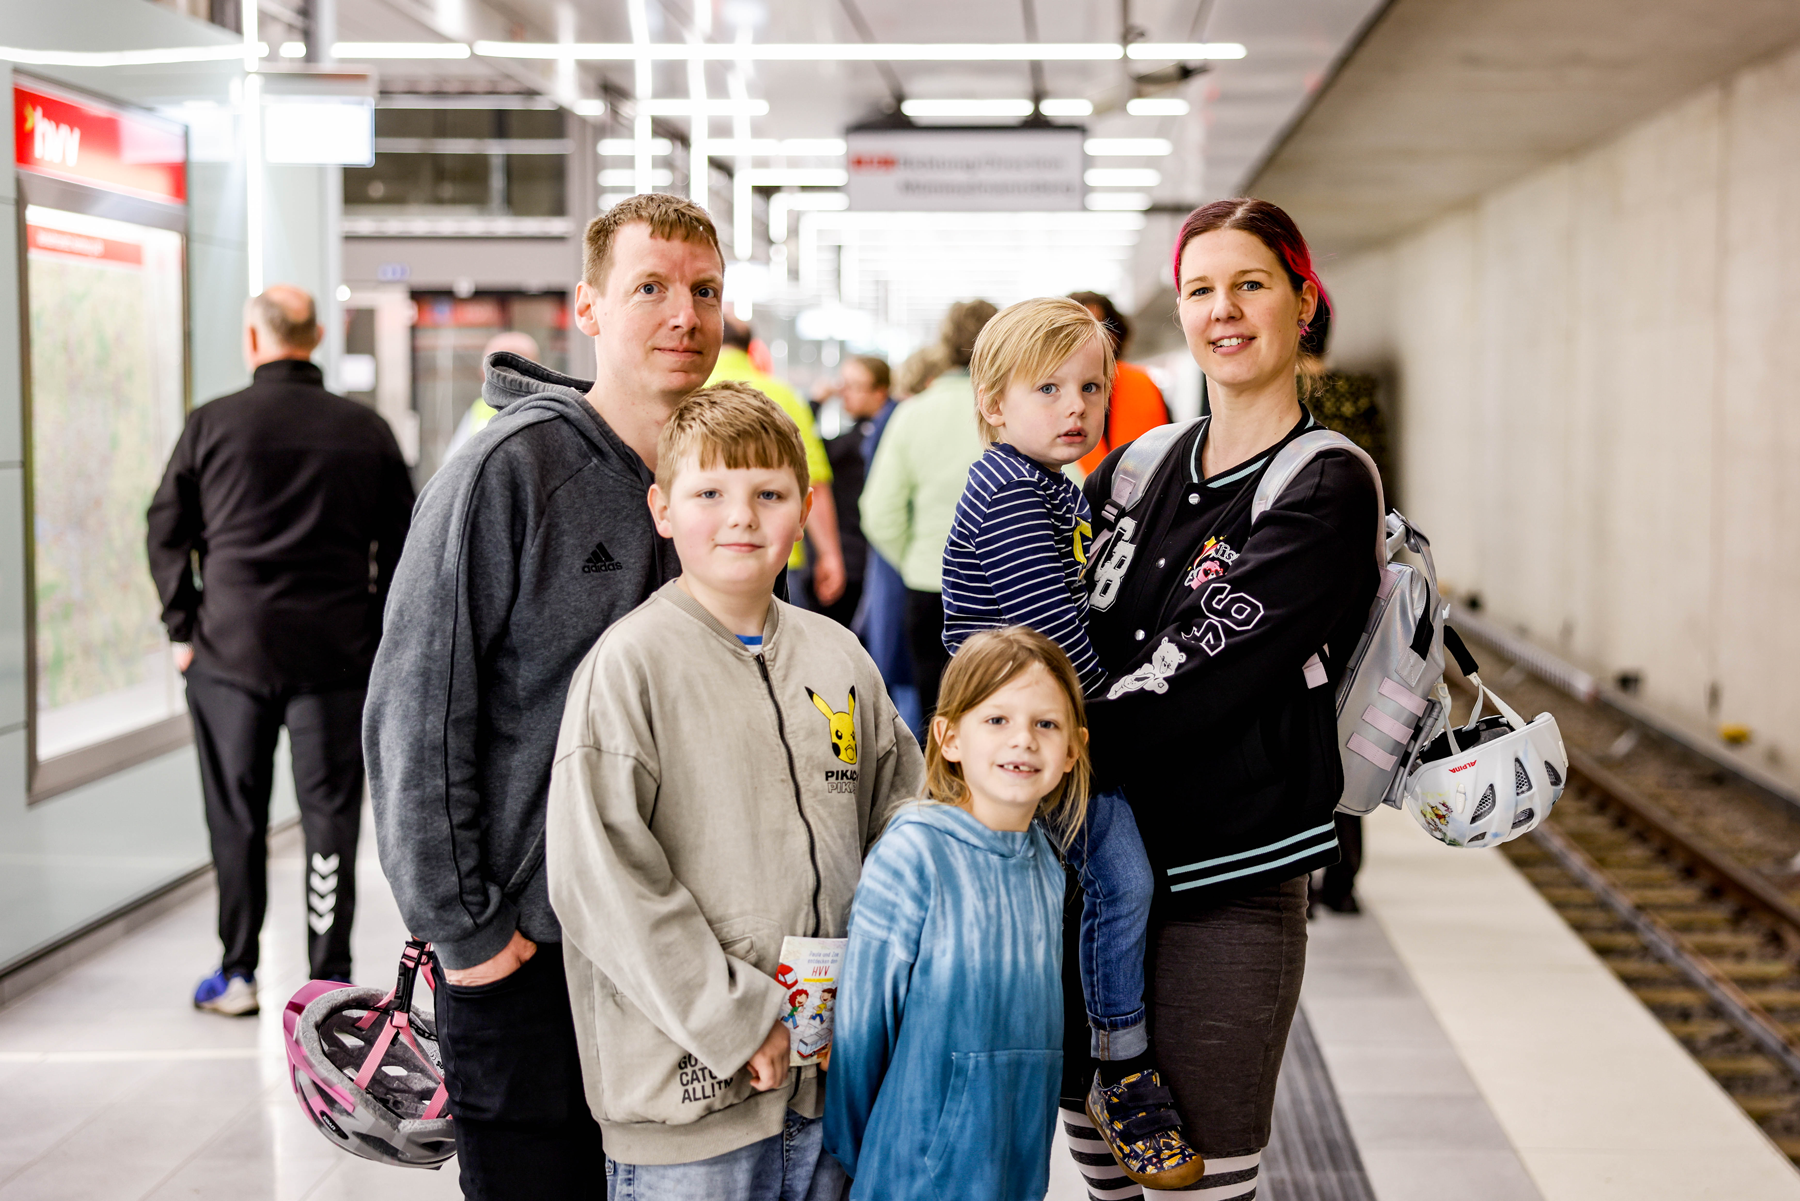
column 1109, row 859
column 790, row 1166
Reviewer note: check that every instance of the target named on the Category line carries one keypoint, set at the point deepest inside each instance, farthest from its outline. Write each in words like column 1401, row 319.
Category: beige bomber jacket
column 708, row 799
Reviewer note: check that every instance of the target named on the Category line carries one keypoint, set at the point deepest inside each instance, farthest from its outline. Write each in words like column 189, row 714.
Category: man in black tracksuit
column 272, row 540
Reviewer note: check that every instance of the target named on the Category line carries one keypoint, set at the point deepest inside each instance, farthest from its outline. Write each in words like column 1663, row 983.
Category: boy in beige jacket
column 724, row 762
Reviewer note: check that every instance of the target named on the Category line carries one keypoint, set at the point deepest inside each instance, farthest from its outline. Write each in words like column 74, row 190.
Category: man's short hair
column 738, row 332
column 292, row 333
column 672, row 218
column 1110, row 316
column 730, row 424
column 877, row 367
column 1028, row 341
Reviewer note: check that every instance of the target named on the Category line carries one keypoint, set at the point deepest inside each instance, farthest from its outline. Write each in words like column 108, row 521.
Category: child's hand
column 769, row 1066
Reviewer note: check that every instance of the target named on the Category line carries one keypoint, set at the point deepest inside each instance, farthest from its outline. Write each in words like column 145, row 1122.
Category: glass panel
column 449, row 338
column 106, row 340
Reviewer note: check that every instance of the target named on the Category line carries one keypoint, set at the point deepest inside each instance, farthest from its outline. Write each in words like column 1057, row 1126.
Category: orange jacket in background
column 1137, row 406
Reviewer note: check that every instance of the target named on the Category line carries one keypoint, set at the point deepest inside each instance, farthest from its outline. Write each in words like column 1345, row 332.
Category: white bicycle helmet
column 366, row 1069
column 1490, row 781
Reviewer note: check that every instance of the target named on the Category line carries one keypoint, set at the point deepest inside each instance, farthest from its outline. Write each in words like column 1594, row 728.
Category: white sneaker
column 233, row 996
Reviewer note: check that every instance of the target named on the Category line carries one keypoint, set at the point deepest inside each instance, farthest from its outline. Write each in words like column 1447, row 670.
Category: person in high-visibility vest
column 1137, row 403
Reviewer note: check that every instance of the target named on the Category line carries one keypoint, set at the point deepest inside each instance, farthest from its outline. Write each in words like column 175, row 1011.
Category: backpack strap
column 1297, row 454
column 1131, row 478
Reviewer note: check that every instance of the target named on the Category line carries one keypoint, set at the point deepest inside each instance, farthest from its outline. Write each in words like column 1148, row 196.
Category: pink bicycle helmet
column 366, row 1068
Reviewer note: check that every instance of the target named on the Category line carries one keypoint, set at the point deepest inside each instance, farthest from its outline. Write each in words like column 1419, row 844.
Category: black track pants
column 235, row 730
column 925, row 642
column 523, row 1129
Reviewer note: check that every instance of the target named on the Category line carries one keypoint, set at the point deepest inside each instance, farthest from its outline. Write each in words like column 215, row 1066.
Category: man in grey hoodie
column 525, row 547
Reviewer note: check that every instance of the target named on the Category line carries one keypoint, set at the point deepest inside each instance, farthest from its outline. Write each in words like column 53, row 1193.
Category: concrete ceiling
column 1442, row 100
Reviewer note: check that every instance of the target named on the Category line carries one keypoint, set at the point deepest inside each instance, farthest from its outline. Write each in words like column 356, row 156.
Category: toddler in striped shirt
column 1042, row 371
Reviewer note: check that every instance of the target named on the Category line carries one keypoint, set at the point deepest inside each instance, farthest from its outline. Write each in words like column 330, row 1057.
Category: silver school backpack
column 1392, row 700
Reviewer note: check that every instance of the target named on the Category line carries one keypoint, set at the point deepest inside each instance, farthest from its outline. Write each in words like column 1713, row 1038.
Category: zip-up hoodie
column 947, row 1054
column 709, row 799
column 525, row 547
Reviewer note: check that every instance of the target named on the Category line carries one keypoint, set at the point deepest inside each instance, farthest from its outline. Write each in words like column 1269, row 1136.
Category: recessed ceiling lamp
column 626, row 177
column 627, row 147
column 1122, row 177
column 589, row 108
column 765, row 147
column 400, row 50
column 1117, row 202
column 293, row 49
column 966, row 108
column 798, row 177
column 1066, row 108
column 1184, row 51
column 1159, row 106
column 703, row 108
column 1127, row 147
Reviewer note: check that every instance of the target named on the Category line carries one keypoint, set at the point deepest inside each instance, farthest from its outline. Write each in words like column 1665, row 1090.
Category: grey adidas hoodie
column 527, row 544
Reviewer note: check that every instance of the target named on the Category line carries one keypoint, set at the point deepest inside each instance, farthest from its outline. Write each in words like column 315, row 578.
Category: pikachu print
column 843, row 725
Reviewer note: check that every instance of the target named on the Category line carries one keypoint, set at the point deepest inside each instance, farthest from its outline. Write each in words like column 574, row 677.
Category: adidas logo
column 600, row 559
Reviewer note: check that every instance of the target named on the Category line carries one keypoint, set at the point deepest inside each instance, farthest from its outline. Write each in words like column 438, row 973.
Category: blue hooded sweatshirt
column 947, row 1048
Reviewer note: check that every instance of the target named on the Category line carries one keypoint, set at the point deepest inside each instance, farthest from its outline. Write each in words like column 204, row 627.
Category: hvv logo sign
column 50, row 142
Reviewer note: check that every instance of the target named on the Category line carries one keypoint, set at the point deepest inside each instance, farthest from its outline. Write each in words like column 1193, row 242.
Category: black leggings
column 1223, row 988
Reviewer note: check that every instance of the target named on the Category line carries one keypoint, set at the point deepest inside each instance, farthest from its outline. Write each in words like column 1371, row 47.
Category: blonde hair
column 918, row 370
column 988, row 662
column 672, row 218
column 1028, row 341
column 734, row 425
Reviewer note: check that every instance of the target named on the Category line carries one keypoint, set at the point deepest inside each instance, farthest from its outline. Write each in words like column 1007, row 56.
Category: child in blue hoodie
column 947, row 1054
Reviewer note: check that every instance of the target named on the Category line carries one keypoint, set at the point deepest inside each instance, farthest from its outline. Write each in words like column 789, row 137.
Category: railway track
column 1703, row 931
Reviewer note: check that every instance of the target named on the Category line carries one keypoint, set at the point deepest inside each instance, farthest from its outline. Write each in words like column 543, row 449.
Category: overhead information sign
column 967, row 170
column 103, row 147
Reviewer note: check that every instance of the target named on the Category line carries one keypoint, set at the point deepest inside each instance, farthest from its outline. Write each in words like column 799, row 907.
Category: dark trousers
column 235, row 730
column 925, row 644
column 1340, row 877
column 1221, row 987
column 523, row 1129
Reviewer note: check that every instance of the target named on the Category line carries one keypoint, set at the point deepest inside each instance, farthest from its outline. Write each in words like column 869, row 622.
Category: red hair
column 1271, row 226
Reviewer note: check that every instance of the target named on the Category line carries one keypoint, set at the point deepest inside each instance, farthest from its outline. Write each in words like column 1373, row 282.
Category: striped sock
column 1231, row 1179
column 1100, row 1171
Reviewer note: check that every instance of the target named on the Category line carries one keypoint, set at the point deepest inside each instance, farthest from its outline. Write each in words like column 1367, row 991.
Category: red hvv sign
column 99, row 146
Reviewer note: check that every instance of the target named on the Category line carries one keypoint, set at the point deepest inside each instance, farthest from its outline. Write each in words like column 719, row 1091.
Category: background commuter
column 478, row 414
column 527, row 546
column 1137, row 403
column 1219, row 724
column 881, row 619
column 864, row 388
column 823, row 578
column 914, row 483
column 273, row 540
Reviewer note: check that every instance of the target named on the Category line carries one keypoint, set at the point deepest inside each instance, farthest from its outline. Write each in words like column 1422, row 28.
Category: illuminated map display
column 106, row 341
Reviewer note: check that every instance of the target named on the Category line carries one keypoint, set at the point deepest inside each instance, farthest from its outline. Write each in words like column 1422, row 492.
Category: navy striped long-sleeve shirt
column 1015, row 556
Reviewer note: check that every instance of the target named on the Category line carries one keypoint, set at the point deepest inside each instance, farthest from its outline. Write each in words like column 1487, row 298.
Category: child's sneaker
column 1137, row 1119
column 233, row 995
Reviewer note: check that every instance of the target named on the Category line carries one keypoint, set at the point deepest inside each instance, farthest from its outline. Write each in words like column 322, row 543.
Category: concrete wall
column 1594, row 372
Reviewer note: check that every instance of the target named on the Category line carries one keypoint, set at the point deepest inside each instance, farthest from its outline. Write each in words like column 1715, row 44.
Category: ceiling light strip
column 232, row 51
column 863, row 52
